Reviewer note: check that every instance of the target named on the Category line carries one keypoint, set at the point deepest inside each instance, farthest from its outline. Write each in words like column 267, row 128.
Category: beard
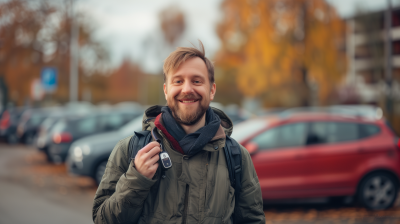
column 186, row 118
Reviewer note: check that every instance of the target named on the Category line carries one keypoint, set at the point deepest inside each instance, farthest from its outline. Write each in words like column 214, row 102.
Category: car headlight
column 77, row 153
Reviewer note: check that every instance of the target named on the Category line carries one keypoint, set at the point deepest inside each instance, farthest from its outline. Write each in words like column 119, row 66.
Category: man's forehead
column 193, row 65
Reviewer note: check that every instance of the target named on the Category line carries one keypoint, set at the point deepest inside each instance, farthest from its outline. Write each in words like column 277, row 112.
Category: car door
column 278, row 160
column 333, row 155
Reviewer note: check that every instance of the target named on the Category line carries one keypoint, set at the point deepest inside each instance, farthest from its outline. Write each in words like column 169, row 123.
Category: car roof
column 319, row 116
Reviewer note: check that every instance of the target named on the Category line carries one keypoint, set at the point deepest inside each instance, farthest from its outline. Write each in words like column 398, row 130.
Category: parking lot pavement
column 34, row 191
column 325, row 213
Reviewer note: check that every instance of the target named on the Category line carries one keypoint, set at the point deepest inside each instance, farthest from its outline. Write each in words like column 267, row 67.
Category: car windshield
column 36, row 119
column 81, row 126
column 134, row 125
column 248, row 128
column 48, row 122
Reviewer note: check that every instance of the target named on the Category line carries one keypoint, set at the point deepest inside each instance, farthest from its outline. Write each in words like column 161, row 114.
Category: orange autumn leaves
column 274, row 42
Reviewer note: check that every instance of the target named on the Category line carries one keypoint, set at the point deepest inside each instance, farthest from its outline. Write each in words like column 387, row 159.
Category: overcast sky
column 124, row 25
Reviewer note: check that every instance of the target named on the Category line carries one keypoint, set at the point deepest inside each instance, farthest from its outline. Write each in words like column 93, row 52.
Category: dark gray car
column 88, row 156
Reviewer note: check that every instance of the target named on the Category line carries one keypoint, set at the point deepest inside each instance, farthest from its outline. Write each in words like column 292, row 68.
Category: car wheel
column 12, row 139
column 29, row 138
column 48, row 156
column 378, row 191
column 100, row 172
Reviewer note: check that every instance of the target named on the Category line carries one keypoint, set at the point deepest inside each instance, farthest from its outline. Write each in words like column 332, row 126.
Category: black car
column 9, row 122
column 68, row 130
column 44, row 135
column 30, row 122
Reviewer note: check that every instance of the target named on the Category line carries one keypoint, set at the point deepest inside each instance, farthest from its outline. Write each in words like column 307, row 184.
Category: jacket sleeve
column 250, row 202
column 122, row 191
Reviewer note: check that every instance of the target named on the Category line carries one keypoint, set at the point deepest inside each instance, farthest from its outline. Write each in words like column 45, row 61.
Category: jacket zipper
column 186, row 204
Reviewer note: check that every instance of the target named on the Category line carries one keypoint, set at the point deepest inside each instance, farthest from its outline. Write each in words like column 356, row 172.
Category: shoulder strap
column 138, row 141
column 233, row 156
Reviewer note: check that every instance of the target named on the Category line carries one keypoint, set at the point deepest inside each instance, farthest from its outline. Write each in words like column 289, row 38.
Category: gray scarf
column 194, row 142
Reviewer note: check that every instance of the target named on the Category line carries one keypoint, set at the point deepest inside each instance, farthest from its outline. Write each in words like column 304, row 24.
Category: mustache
column 188, row 97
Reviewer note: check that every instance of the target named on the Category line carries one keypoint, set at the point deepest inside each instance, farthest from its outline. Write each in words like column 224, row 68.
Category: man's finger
column 154, row 151
column 153, row 160
column 148, row 147
column 154, row 167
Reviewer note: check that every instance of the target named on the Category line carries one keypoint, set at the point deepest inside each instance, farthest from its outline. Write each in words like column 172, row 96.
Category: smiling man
column 197, row 188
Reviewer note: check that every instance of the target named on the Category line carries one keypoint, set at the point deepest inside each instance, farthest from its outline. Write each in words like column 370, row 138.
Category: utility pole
column 388, row 69
column 74, row 56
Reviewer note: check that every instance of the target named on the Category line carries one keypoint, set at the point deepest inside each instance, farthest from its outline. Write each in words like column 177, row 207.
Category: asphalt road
column 25, row 203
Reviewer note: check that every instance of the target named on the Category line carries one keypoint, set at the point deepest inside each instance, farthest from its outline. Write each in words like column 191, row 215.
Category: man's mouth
column 187, row 101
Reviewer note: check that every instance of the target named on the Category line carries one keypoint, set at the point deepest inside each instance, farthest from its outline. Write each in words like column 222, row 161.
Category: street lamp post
column 74, row 57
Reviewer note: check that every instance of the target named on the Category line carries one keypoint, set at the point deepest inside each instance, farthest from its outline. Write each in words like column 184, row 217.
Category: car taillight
column 397, row 142
column 5, row 120
column 62, row 138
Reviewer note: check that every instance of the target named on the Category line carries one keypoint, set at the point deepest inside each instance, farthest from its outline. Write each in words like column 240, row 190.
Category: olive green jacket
column 195, row 190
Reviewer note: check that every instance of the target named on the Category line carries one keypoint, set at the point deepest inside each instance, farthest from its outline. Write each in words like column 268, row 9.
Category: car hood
column 103, row 140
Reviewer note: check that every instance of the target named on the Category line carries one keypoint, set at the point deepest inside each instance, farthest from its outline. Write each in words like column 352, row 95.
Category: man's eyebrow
column 192, row 76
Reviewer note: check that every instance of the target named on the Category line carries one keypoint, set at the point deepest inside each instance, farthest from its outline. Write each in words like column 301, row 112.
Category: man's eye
column 197, row 81
column 178, row 81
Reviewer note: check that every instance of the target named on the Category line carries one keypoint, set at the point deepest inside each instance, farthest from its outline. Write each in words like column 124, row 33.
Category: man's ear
column 213, row 91
column 165, row 91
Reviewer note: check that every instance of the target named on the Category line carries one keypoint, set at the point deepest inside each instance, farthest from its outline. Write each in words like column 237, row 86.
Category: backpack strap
column 139, row 140
column 233, row 156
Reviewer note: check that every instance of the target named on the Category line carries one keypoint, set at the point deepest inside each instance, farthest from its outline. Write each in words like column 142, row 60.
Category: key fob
column 165, row 160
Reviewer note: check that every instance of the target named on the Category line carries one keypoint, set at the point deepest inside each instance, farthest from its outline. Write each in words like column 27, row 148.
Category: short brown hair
column 181, row 54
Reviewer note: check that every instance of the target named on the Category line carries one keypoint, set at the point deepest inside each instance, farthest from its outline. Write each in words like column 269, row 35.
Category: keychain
column 164, row 157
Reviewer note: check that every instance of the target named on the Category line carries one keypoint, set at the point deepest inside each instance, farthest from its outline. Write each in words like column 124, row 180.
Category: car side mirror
column 251, row 147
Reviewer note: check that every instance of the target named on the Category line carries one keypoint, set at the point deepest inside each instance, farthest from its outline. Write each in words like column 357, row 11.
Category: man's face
column 188, row 91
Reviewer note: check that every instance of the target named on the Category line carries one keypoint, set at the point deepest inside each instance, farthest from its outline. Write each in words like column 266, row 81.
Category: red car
column 308, row 155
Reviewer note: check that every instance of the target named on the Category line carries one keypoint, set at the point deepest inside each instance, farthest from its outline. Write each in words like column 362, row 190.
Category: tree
column 35, row 34
column 277, row 44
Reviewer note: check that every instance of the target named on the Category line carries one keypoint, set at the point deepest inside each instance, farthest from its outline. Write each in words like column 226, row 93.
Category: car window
column 367, row 130
column 48, row 122
column 36, row 119
column 132, row 126
column 85, row 126
column 289, row 135
column 60, row 126
column 114, row 121
column 331, row 132
column 129, row 117
column 248, row 128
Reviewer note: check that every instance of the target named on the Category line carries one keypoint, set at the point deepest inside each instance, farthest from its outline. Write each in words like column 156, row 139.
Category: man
column 197, row 188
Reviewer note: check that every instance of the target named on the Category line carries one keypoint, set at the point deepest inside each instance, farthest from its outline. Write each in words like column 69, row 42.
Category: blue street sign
column 49, row 79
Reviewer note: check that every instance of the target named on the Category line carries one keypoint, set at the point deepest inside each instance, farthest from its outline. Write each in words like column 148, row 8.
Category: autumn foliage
column 37, row 34
column 281, row 46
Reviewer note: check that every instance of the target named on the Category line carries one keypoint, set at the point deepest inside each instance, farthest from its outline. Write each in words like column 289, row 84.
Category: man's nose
column 187, row 87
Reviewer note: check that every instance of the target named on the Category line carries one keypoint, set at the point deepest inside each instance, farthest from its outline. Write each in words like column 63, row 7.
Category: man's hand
column 146, row 160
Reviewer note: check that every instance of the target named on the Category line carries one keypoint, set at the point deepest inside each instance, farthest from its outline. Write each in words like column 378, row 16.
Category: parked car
column 45, row 130
column 306, row 155
column 28, row 127
column 70, row 129
column 88, row 156
column 9, row 122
